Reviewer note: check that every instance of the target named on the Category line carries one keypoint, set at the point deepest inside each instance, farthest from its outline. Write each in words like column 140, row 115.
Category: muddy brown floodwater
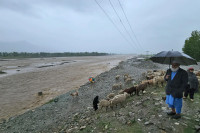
column 53, row 76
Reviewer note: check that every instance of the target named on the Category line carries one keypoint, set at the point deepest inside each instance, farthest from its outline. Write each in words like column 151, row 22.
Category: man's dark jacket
column 177, row 86
column 193, row 81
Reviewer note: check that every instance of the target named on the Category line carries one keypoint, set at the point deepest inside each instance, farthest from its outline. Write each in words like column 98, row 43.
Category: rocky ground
column 144, row 113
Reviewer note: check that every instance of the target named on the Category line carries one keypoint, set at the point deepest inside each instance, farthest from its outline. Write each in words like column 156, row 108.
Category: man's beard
column 174, row 69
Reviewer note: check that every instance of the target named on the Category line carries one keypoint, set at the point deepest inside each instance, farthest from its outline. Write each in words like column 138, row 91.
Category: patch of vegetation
column 188, row 130
column 2, row 72
column 190, row 127
column 192, row 45
column 50, row 101
column 8, row 55
column 133, row 128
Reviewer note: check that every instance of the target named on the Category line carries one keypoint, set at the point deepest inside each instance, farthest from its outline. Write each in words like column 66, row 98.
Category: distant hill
column 18, row 46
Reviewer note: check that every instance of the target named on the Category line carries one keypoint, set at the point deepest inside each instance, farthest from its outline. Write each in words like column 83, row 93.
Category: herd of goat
column 153, row 78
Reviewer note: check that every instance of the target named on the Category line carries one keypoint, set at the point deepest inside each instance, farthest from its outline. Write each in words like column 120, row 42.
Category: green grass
column 50, row 101
column 197, row 95
column 190, row 127
column 133, row 128
column 188, row 130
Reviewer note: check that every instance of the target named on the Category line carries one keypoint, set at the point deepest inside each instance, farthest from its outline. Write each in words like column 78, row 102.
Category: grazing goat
column 111, row 95
column 121, row 92
column 141, row 87
column 118, row 99
column 150, row 76
column 128, row 80
column 95, row 103
column 126, row 76
column 130, row 90
column 104, row 103
column 117, row 86
column 117, row 77
column 152, row 81
column 159, row 80
column 197, row 73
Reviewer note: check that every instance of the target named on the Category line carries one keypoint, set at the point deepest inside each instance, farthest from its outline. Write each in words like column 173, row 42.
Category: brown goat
column 130, row 90
column 141, row 87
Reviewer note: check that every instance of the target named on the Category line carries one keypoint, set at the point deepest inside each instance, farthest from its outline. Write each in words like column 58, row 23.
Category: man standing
column 192, row 84
column 177, row 79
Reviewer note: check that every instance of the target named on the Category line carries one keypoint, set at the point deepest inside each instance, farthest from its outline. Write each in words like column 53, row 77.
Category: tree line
column 45, row 54
column 192, row 45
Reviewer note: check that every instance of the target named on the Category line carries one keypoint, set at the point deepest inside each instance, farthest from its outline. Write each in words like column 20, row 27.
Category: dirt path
column 19, row 88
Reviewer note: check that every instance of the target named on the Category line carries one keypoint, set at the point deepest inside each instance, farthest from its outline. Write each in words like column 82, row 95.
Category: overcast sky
column 81, row 25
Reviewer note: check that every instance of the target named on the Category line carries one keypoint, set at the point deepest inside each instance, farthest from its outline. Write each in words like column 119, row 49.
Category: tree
column 192, row 45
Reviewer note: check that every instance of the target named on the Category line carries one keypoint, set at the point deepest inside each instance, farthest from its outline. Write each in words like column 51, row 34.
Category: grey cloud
column 29, row 6
column 80, row 25
column 22, row 7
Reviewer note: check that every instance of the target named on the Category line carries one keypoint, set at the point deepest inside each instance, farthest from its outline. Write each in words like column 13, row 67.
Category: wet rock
column 81, row 121
column 122, row 120
column 76, row 115
column 187, row 118
column 87, row 119
column 140, row 112
column 138, row 103
column 106, row 127
column 153, row 93
column 71, row 130
column 197, row 127
column 152, row 116
column 114, row 114
column 89, row 108
column 121, row 113
column 176, row 123
column 156, row 99
column 184, row 124
column 131, row 114
column 147, row 123
column 164, row 108
column 82, row 127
